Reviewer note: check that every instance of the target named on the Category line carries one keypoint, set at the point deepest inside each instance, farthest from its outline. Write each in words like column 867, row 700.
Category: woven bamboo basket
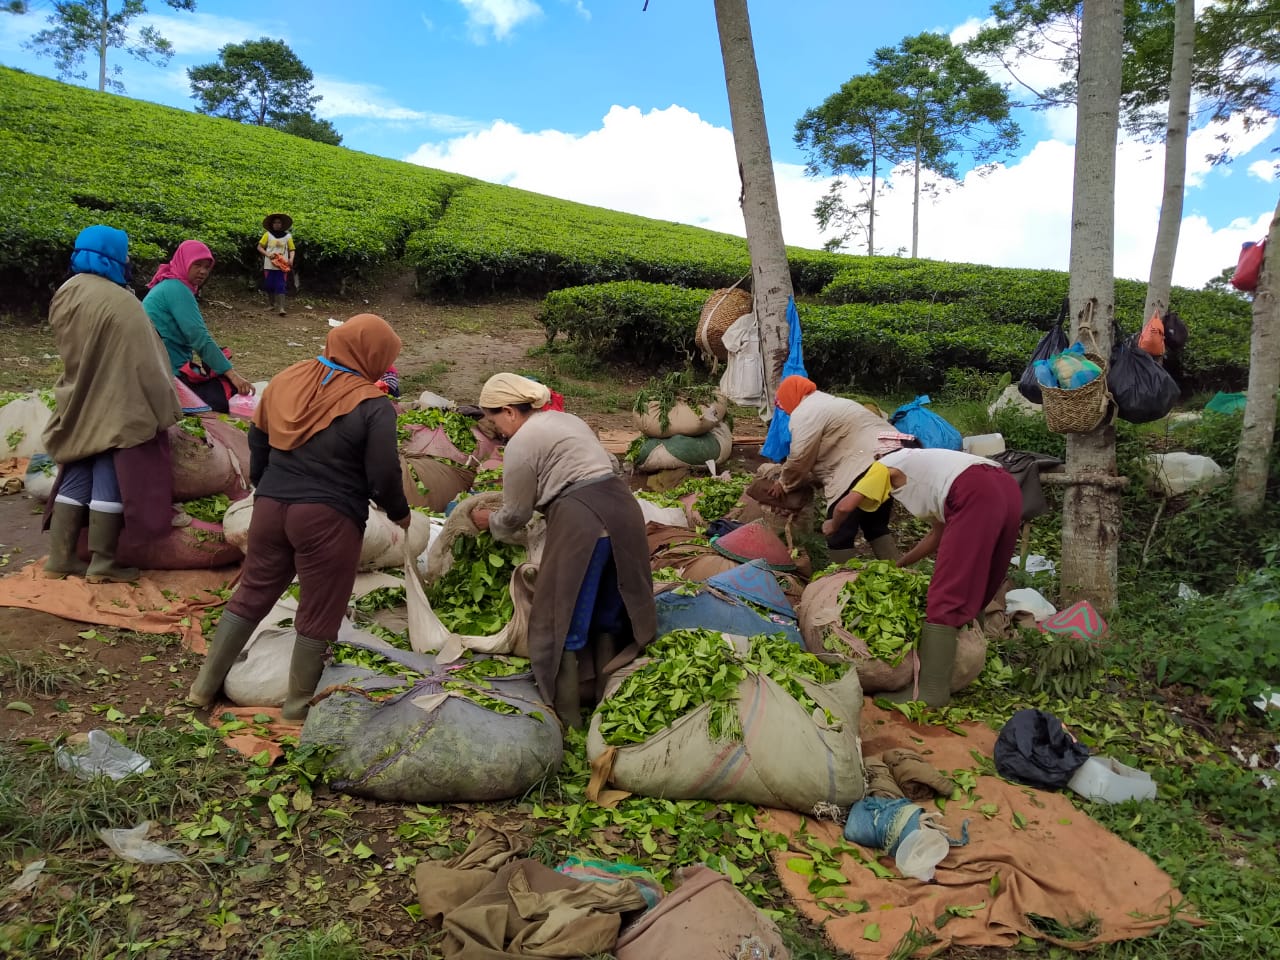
column 1083, row 409
column 719, row 312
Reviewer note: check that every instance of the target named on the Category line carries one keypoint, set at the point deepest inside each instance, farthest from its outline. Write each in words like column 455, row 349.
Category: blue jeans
column 92, row 481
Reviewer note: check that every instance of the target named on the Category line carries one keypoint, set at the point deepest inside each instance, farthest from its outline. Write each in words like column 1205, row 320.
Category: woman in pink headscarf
column 175, row 312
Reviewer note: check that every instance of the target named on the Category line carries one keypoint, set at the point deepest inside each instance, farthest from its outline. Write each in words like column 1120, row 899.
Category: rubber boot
column 65, row 524
column 568, row 697
column 280, row 304
column 233, row 633
column 304, row 673
column 937, row 660
column 104, row 535
column 885, row 548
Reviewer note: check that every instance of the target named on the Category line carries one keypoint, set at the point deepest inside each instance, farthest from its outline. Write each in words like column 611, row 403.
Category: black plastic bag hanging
column 1055, row 341
column 1034, row 748
column 1143, row 390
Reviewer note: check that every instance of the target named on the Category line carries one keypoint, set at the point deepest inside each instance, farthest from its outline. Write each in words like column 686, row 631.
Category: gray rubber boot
column 280, row 304
column 304, row 673
column 65, row 524
column 937, row 660
column 568, row 697
column 232, row 634
column 885, row 548
column 104, row 535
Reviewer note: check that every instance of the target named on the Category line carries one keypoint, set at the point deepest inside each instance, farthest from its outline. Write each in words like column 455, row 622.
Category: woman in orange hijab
column 322, row 445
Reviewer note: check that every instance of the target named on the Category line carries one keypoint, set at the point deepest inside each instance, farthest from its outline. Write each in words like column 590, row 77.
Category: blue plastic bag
column 777, row 442
column 925, row 425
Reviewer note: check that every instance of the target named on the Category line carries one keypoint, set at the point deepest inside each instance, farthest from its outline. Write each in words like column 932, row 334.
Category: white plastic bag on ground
column 1178, row 472
column 1031, row 601
column 22, row 423
column 670, row 516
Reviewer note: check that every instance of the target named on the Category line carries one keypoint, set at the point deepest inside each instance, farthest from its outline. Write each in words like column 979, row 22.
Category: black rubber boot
column 104, row 535
column 233, row 633
column 568, row 698
column 304, row 673
column 65, row 524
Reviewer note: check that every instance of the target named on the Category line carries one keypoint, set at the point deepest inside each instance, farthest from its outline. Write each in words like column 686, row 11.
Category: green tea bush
column 642, row 323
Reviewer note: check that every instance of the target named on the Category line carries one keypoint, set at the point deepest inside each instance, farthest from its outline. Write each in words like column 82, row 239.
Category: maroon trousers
column 315, row 541
column 983, row 516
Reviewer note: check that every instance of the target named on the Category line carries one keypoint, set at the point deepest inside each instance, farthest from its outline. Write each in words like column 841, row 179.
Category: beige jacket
column 833, row 440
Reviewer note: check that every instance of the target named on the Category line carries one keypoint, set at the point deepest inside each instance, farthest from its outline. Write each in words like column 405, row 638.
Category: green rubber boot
column 65, row 524
column 233, row 633
column 885, row 548
column 304, row 673
column 937, row 660
column 104, row 535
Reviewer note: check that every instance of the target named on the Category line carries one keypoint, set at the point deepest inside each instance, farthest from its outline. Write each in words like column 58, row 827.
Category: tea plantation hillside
column 619, row 285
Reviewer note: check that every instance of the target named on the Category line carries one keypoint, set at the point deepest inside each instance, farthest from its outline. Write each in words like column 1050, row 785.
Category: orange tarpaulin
column 1052, row 861
column 162, row 601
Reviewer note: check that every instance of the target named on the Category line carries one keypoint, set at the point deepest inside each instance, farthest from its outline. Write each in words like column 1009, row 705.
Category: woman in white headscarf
column 593, row 605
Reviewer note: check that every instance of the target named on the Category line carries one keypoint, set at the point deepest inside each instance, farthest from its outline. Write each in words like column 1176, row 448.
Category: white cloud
column 579, row 8
column 1265, row 170
column 199, row 33
column 342, row 99
column 500, row 17
column 17, row 29
column 672, row 165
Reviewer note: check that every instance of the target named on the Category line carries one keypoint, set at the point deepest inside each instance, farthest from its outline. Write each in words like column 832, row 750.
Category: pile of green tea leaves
column 456, row 427
column 673, row 388
column 884, row 606
column 193, row 426
column 210, row 509
column 695, row 667
column 479, row 669
column 474, row 597
column 239, row 423
column 716, row 496
column 45, row 396
column 370, row 660
column 382, row 598
column 487, row 480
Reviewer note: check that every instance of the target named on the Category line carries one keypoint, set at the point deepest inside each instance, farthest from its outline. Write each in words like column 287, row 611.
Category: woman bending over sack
column 173, row 308
column 833, row 439
column 115, row 399
column 593, row 604
column 975, row 507
column 322, row 445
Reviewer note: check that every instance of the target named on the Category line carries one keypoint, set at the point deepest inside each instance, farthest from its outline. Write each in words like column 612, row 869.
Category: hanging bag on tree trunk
column 1053, row 342
column 1088, row 406
column 1143, row 390
column 1151, row 339
column 1249, row 266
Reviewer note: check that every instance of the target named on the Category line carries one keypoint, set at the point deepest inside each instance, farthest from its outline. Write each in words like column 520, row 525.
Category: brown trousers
column 315, row 541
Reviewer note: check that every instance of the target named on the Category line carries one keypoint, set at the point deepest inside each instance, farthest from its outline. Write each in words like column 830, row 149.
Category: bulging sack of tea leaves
column 404, row 729
column 209, row 456
column 717, row 717
column 870, row 613
column 384, row 543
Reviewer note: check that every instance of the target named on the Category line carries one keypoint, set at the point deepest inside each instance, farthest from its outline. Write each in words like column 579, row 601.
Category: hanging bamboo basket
column 718, row 314
column 1082, row 409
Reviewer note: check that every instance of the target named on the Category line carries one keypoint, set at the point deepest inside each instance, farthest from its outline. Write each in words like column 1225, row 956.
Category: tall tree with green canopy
column 855, row 129
column 261, row 82
column 922, row 103
column 79, row 29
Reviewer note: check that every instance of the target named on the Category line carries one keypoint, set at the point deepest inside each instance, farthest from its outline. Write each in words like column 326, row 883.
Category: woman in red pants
column 975, row 507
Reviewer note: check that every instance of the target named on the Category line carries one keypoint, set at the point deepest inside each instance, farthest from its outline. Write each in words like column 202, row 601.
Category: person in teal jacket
column 175, row 312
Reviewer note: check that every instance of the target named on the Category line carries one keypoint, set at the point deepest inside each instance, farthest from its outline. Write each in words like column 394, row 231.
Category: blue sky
column 603, row 102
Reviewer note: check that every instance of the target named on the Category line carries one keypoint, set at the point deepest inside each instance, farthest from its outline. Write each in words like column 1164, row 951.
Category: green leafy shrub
column 643, row 323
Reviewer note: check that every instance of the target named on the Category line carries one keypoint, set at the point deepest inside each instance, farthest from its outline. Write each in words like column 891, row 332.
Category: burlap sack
column 819, row 615
column 682, row 419
column 442, row 482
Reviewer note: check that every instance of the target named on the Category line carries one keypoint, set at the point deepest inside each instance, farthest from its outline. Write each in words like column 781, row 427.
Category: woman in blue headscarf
column 115, row 399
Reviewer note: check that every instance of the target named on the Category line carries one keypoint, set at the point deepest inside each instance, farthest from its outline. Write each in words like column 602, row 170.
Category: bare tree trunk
column 771, row 276
column 1175, row 160
column 871, row 208
column 102, row 47
column 1259, row 428
column 1091, row 512
column 915, row 208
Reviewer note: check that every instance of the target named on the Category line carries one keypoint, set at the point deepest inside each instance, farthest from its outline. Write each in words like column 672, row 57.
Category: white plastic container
column 983, row 445
column 1110, row 781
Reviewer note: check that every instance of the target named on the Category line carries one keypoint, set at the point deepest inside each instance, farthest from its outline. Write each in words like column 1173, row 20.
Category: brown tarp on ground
column 162, row 601
column 1058, row 864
